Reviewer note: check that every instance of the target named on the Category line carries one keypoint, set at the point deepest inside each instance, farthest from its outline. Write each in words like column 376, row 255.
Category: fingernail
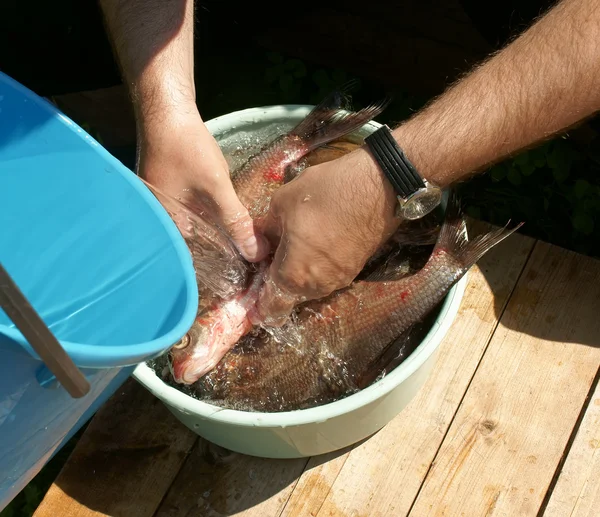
column 254, row 317
column 255, row 248
column 275, row 321
column 254, row 314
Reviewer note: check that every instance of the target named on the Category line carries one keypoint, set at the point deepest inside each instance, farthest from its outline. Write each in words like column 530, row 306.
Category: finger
column 269, row 226
column 273, row 306
column 236, row 221
column 275, row 303
column 253, row 246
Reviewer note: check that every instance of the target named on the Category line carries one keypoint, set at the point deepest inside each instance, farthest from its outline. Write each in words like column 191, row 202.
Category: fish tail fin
column 330, row 120
column 453, row 236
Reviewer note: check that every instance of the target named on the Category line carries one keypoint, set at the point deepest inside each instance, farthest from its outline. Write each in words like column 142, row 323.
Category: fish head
column 197, row 353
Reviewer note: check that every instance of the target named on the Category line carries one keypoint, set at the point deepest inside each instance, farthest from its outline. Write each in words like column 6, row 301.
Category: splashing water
column 238, row 145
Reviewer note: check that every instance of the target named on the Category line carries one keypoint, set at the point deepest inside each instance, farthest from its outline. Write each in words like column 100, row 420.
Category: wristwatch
column 416, row 196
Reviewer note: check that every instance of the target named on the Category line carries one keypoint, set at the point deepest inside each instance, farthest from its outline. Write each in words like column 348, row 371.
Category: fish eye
column 183, row 343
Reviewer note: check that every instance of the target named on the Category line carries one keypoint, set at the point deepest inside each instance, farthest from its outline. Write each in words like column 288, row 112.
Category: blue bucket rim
column 106, row 356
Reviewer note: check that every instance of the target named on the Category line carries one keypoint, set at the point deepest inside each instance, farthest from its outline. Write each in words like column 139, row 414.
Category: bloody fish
column 220, row 268
column 216, row 329
column 280, row 160
column 340, row 344
column 219, row 327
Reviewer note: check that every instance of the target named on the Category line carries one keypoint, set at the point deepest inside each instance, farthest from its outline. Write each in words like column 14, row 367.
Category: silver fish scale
column 386, row 313
column 338, row 341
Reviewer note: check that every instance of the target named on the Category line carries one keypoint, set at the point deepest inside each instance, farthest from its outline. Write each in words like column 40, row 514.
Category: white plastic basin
column 321, row 429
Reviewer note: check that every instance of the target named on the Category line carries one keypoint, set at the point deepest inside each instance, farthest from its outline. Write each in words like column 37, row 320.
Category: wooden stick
column 35, row 331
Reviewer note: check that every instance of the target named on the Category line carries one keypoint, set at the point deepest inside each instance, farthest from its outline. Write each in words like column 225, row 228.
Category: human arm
column 542, row 83
column 153, row 41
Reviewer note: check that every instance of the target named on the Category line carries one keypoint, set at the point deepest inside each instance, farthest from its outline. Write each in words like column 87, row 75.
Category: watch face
column 421, row 203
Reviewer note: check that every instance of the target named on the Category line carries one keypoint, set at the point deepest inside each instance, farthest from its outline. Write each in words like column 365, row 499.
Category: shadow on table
column 137, row 460
column 137, row 457
column 219, row 482
column 553, row 293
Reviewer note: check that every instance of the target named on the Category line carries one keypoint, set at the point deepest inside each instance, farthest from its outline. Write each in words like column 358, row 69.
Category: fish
column 281, row 160
column 339, row 345
column 216, row 327
column 410, row 235
column 220, row 270
column 332, row 151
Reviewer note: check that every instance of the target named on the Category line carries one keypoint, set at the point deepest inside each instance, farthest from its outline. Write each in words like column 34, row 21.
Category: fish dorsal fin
column 330, row 119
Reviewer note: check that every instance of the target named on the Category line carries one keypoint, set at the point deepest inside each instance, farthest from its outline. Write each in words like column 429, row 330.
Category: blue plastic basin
column 99, row 259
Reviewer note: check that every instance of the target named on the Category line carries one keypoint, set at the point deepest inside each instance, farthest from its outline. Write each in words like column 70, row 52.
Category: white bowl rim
column 430, row 343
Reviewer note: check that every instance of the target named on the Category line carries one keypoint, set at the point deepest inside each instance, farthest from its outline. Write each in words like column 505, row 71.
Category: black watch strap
column 393, row 162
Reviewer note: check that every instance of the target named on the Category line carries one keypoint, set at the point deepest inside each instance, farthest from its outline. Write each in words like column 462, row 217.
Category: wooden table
column 507, row 424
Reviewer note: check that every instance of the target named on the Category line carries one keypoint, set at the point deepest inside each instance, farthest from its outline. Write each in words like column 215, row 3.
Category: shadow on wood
column 135, row 458
column 215, row 481
column 557, row 297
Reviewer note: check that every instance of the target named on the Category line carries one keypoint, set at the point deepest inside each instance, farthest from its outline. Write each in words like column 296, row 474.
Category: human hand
column 180, row 157
column 325, row 225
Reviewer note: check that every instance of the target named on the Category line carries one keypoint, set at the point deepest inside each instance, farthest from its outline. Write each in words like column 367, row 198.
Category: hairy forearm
column 542, row 83
column 153, row 41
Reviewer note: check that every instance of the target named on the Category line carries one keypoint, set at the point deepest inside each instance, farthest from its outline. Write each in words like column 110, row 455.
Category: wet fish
column 340, row 344
column 332, row 151
column 218, row 267
column 280, row 160
column 218, row 326
column 410, row 235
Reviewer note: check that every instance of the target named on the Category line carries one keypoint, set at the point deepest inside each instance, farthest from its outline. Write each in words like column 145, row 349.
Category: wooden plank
column 382, row 476
column 216, row 482
column 510, row 432
column 312, row 488
column 577, row 491
column 235, row 483
column 125, row 461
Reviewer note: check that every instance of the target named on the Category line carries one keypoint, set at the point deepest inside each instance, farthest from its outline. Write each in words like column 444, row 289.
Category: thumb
column 270, row 227
column 242, row 230
column 274, row 303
